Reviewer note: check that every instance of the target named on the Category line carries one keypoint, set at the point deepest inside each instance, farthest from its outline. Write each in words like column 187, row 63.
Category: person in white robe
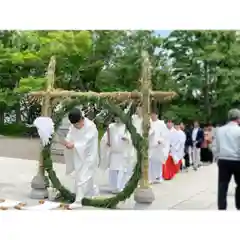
column 116, row 154
column 158, row 148
column 182, row 139
column 175, row 144
column 137, row 120
column 81, row 155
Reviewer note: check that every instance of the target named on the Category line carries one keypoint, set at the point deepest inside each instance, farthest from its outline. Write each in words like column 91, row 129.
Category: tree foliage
column 201, row 66
column 205, row 68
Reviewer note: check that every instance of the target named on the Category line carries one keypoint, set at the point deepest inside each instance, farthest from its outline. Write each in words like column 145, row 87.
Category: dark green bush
column 21, row 130
column 17, row 130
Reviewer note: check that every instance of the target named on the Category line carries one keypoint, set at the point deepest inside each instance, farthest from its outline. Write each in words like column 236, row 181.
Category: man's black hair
column 75, row 115
column 154, row 110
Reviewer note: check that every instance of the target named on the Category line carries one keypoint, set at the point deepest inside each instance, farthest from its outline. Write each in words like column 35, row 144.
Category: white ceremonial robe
column 137, row 122
column 175, row 145
column 117, row 156
column 182, row 137
column 158, row 149
column 104, row 152
column 83, row 159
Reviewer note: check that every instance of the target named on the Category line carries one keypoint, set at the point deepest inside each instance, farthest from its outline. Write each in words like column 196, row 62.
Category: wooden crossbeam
column 144, row 95
column 120, row 96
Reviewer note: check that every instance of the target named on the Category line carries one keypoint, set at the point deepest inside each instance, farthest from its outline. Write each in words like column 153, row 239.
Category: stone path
column 187, row 191
column 22, row 148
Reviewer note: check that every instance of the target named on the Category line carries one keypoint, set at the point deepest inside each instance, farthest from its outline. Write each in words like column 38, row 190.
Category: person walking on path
column 197, row 138
column 226, row 148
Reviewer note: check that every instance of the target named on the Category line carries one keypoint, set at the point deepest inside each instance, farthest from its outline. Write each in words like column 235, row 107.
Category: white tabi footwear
column 159, row 180
column 75, row 206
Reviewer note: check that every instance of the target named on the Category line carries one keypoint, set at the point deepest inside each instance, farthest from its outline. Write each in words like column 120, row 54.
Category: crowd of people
column 198, row 145
column 173, row 147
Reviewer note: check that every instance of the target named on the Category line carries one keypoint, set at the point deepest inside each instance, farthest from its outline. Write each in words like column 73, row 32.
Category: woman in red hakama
column 180, row 128
column 171, row 168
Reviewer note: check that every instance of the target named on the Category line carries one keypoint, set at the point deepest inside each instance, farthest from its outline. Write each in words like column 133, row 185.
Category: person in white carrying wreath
column 116, row 142
column 81, row 155
column 158, row 148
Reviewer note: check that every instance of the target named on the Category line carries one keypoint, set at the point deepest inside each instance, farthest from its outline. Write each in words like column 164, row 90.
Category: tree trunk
column 18, row 112
column 2, row 117
column 207, row 105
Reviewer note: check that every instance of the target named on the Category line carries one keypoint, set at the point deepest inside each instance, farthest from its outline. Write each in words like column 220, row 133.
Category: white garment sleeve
column 128, row 137
column 69, row 134
column 83, row 146
column 104, row 153
column 164, row 138
column 69, row 154
column 151, row 131
column 161, row 140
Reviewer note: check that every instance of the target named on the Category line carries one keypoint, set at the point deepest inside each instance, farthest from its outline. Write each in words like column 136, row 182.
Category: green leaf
column 30, row 84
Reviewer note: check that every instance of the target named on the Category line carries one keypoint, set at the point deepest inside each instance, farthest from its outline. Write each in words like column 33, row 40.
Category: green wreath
column 137, row 140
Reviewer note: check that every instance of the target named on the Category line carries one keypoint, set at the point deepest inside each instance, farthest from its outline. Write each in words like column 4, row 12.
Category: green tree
column 199, row 60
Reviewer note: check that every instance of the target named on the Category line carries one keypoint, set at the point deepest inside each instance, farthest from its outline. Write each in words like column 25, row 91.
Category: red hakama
column 169, row 169
column 178, row 166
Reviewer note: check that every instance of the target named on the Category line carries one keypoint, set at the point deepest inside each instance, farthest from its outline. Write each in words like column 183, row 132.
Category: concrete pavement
column 187, row 191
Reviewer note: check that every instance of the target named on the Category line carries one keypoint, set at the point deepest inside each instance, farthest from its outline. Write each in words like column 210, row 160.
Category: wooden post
column 46, row 102
column 145, row 90
column 144, row 194
column 39, row 183
column 46, row 105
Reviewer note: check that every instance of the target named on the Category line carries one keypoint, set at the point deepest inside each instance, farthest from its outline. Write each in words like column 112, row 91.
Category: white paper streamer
column 9, row 203
column 45, row 127
column 47, row 205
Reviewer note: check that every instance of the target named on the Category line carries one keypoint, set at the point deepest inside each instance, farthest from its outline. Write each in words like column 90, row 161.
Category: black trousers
column 206, row 155
column 187, row 162
column 227, row 169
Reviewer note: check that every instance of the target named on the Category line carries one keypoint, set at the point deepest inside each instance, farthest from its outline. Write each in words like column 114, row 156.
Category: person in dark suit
column 195, row 142
column 188, row 142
